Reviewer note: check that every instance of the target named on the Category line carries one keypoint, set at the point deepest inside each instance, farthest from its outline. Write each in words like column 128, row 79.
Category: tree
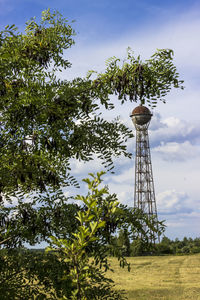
column 61, row 119
column 138, row 81
column 165, row 246
column 138, row 247
column 77, row 271
column 87, row 265
column 25, row 274
column 46, row 121
column 124, row 242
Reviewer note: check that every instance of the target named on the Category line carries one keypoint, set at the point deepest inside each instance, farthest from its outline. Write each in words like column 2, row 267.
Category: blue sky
column 106, row 28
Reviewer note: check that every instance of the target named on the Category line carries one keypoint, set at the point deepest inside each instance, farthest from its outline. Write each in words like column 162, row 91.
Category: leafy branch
column 85, row 270
column 137, row 80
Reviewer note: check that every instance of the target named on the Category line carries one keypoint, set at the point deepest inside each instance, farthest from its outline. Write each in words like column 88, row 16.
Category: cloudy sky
column 106, row 28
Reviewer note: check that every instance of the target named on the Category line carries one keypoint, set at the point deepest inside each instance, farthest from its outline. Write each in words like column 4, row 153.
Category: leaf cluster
column 140, row 81
column 32, row 273
column 44, row 121
column 87, row 267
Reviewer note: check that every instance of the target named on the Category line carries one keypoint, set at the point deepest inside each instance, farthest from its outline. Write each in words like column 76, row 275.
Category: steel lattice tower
column 144, row 194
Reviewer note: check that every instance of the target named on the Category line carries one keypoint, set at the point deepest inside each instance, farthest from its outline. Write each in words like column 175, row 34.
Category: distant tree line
column 138, row 247
column 184, row 246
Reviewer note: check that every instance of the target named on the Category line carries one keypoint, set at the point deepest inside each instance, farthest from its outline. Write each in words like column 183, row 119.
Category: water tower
column 144, row 194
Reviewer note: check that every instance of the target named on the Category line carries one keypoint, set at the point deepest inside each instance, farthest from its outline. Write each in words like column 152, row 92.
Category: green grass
column 159, row 277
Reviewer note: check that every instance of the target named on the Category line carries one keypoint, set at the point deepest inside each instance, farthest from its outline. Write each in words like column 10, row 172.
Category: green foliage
column 30, row 224
column 186, row 246
column 27, row 87
column 147, row 81
column 124, row 242
column 83, row 238
column 87, row 267
column 45, row 122
column 26, row 274
column 135, row 233
column 138, row 248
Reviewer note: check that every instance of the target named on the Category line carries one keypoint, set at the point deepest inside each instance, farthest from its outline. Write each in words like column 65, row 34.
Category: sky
column 107, row 28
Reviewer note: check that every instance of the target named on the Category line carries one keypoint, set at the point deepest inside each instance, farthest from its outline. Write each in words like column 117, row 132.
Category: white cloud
column 125, row 177
column 123, row 191
column 177, row 151
column 80, row 168
column 180, row 212
column 173, row 202
column 156, row 122
column 174, row 129
column 180, row 34
column 180, row 225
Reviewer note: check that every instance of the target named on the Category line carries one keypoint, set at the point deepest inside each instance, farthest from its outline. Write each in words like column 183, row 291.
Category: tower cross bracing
column 144, row 193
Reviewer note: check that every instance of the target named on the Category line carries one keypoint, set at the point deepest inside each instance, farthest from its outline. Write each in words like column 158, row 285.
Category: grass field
column 159, row 277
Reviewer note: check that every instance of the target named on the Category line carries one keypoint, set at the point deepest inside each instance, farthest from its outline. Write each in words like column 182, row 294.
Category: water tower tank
column 141, row 115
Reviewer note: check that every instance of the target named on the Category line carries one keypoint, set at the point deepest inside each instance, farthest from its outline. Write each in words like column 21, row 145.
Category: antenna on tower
column 144, row 194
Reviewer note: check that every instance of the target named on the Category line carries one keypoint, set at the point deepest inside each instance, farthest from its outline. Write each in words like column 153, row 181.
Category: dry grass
column 159, row 277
